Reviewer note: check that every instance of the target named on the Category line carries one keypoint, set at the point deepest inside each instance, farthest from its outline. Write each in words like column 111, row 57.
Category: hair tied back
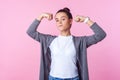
column 66, row 9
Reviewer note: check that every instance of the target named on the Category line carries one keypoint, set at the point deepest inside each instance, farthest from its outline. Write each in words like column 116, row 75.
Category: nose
column 60, row 22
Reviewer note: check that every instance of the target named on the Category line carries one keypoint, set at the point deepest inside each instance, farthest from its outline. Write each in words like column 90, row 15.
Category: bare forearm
column 49, row 16
column 39, row 18
column 90, row 22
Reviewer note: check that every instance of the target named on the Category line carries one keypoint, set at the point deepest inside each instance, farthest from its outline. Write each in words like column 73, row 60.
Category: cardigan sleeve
column 99, row 34
column 33, row 33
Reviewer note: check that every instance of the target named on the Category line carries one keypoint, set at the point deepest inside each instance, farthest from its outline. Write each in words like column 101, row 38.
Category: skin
column 63, row 23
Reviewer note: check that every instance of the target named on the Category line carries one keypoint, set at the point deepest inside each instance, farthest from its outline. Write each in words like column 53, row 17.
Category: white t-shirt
column 63, row 55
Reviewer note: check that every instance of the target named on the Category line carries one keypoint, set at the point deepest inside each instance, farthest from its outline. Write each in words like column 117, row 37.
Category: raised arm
column 32, row 30
column 99, row 33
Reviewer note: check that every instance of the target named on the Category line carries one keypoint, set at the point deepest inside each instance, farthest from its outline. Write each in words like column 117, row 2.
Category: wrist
column 86, row 20
column 89, row 22
column 39, row 18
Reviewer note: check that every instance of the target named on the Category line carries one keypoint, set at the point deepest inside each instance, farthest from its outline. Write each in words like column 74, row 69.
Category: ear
column 71, row 20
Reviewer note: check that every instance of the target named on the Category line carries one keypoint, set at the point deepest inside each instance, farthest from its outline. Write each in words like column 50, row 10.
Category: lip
column 60, row 25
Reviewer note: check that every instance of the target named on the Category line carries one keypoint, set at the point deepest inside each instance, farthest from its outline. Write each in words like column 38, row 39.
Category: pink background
column 20, row 55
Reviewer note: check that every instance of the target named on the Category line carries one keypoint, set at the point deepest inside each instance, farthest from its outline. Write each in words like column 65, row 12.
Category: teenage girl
column 64, row 57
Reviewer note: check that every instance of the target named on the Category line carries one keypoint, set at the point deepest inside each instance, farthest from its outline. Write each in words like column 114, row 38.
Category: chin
column 61, row 29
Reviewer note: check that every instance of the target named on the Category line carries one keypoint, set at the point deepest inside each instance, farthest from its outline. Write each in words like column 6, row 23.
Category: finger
column 50, row 17
column 77, row 19
column 81, row 18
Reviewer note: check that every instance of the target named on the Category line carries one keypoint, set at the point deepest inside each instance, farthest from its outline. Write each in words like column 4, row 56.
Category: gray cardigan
column 81, row 44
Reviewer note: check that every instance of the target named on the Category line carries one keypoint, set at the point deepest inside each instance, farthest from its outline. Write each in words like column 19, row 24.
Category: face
column 62, row 21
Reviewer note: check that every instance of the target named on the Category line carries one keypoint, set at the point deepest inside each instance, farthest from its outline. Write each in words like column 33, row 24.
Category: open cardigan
column 81, row 44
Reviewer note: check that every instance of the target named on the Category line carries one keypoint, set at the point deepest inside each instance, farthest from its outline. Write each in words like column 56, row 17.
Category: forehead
column 60, row 14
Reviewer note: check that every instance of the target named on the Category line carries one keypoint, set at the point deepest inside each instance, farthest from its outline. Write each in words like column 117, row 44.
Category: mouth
column 60, row 25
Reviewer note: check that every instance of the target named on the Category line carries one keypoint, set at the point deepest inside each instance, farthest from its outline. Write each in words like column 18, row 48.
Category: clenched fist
column 48, row 16
column 80, row 18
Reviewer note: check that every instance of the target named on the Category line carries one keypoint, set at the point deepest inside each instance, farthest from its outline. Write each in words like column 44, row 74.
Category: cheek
column 56, row 23
column 67, row 24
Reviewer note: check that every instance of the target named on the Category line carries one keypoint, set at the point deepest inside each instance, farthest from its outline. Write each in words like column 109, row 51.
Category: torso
column 63, row 55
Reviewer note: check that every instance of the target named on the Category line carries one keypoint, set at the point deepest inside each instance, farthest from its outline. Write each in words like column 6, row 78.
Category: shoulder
column 79, row 37
column 47, row 38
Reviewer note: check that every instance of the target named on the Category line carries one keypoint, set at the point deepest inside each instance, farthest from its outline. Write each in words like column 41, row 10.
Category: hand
column 80, row 18
column 48, row 16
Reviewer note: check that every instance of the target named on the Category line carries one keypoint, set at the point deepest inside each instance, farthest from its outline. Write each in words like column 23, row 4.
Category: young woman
column 64, row 57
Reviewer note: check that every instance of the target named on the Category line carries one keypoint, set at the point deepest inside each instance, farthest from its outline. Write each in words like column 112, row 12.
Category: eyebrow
column 61, row 17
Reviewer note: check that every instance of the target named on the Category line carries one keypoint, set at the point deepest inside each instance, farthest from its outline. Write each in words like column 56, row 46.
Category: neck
column 65, row 33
